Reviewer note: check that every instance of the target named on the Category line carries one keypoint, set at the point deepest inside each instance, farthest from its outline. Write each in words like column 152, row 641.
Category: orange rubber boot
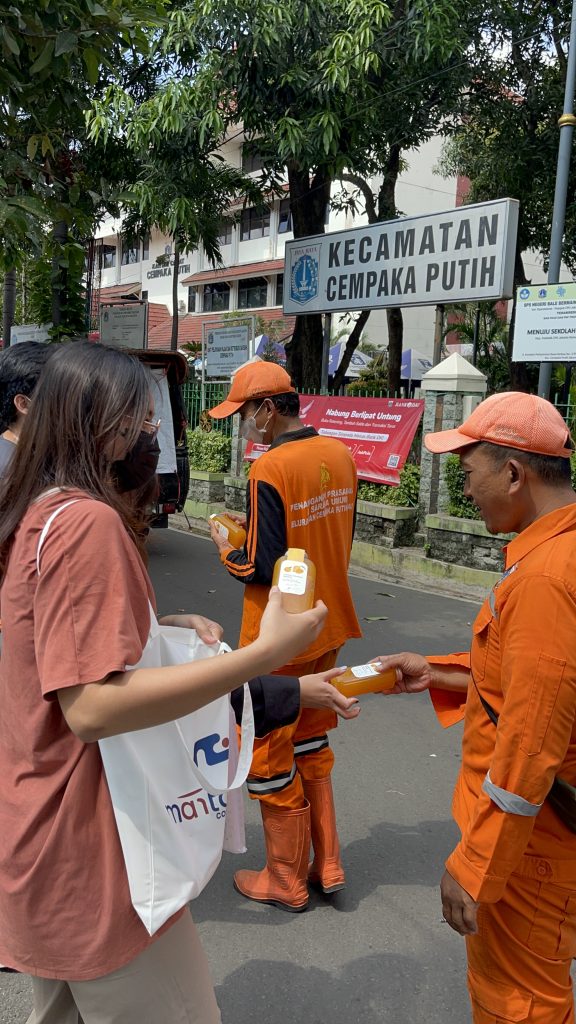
column 283, row 881
column 326, row 869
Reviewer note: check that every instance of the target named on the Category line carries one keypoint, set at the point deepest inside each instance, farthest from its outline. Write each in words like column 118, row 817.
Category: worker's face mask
column 139, row 464
column 249, row 429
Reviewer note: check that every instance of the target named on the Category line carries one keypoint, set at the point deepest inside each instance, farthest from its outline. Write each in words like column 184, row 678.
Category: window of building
column 252, row 293
column 130, row 251
column 254, row 223
column 107, row 256
column 144, row 296
column 251, row 159
column 284, row 217
column 225, row 232
column 279, row 289
column 216, row 297
column 146, row 247
column 192, row 299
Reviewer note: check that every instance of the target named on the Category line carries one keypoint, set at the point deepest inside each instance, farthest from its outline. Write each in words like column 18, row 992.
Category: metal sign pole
column 325, row 353
column 203, row 382
column 566, row 123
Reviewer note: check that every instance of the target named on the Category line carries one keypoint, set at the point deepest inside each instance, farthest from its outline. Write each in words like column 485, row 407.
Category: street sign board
column 124, row 324
column 29, row 332
column 461, row 255
column 545, row 329
column 226, row 349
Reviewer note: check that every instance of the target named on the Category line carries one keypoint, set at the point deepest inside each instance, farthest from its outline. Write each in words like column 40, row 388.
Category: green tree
column 507, row 141
column 309, row 82
column 55, row 57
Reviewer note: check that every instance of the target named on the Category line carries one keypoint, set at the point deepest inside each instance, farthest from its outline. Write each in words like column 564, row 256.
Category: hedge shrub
column 210, row 451
column 405, row 494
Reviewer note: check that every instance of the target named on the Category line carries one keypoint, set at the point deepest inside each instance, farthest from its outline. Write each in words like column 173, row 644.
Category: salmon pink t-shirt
column 65, row 909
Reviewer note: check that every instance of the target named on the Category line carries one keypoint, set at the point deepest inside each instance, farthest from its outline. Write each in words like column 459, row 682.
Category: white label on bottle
column 292, row 577
column 363, row 671
column 222, row 529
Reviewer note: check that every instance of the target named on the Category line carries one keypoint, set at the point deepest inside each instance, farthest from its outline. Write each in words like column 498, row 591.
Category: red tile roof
column 240, row 270
column 117, row 291
column 190, row 326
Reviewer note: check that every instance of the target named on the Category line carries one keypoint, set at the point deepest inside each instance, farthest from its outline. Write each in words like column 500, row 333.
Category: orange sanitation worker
column 510, row 884
column 301, row 494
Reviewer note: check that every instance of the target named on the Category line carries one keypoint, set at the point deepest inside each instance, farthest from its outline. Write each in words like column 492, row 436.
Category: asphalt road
column 378, row 951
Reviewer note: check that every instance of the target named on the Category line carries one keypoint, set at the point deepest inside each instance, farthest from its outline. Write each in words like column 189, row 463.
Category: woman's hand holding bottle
column 285, row 634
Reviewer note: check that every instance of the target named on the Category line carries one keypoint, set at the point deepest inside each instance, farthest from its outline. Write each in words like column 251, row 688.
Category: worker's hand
column 237, row 518
column 458, row 907
column 316, row 691
column 221, row 542
column 208, row 631
column 283, row 635
column 413, row 673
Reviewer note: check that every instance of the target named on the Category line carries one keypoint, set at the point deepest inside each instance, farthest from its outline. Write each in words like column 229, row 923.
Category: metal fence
column 214, row 392
column 568, row 412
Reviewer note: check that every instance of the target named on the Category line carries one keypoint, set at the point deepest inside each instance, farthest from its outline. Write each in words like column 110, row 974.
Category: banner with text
column 377, row 431
column 460, row 255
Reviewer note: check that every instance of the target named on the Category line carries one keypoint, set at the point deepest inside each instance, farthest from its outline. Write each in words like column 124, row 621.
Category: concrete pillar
column 452, row 389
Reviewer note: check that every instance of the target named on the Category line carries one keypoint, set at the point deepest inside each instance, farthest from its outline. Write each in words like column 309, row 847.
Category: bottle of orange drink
column 230, row 530
column 364, row 679
column 295, row 576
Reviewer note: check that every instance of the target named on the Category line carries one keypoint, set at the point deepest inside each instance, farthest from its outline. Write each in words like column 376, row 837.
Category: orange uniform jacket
column 523, row 660
column 301, row 493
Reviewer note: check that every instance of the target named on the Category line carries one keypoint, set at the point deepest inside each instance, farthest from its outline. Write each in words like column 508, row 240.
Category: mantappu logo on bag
column 207, row 744
column 191, row 806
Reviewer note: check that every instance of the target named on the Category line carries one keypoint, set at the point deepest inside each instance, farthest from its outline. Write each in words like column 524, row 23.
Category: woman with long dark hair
column 71, row 625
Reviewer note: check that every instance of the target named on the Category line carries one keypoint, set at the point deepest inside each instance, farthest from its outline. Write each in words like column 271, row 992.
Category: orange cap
column 511, row 419
column 254, row 380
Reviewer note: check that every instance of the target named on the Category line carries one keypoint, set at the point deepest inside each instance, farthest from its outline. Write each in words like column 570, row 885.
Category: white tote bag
column 176, row 788
column 172, row 790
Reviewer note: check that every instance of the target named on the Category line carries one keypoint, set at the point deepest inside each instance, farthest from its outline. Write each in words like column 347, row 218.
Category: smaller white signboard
column 29, row 332
column 226, row 349
column 124, row 324
column 545, row 330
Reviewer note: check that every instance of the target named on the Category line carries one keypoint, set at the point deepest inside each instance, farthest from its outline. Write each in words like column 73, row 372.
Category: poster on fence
column 377, row 431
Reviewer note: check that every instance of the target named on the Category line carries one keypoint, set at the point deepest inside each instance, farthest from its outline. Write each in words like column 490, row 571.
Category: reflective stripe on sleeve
column 274, row 785
column 511, row 803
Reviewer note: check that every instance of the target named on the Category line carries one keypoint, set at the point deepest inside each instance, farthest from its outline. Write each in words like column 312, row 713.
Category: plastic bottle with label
column 230, row 530
column 295, row 576
column 359, row 679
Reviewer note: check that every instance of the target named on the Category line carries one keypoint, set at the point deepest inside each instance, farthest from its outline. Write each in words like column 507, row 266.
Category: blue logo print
column 542, row 293
column 524, row 293
column 207, row 745
column 561, row 292
column 304, row 279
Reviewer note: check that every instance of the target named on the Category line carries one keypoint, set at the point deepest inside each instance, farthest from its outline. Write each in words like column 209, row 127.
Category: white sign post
column 29, row 332
column 545, row 329
column 124, row 324
column 225, row 349
column 461, row 255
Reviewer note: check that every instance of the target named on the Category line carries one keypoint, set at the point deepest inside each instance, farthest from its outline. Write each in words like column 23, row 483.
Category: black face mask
column 139, row 465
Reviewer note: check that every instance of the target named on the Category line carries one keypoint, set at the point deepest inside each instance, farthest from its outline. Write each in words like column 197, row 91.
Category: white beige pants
column 167, row 984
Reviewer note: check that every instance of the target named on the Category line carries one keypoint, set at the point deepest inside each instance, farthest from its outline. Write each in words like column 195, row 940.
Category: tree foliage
column 507, row 141
column 308, row 83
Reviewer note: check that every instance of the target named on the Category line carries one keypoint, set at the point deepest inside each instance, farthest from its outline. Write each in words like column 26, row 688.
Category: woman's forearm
column 143, row 697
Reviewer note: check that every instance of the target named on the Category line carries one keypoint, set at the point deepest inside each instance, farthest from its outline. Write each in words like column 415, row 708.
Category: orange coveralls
column 516, row 857
column 301, row 493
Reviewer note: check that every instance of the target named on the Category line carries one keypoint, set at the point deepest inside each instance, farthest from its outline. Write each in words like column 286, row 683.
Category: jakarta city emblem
column 304, row 279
